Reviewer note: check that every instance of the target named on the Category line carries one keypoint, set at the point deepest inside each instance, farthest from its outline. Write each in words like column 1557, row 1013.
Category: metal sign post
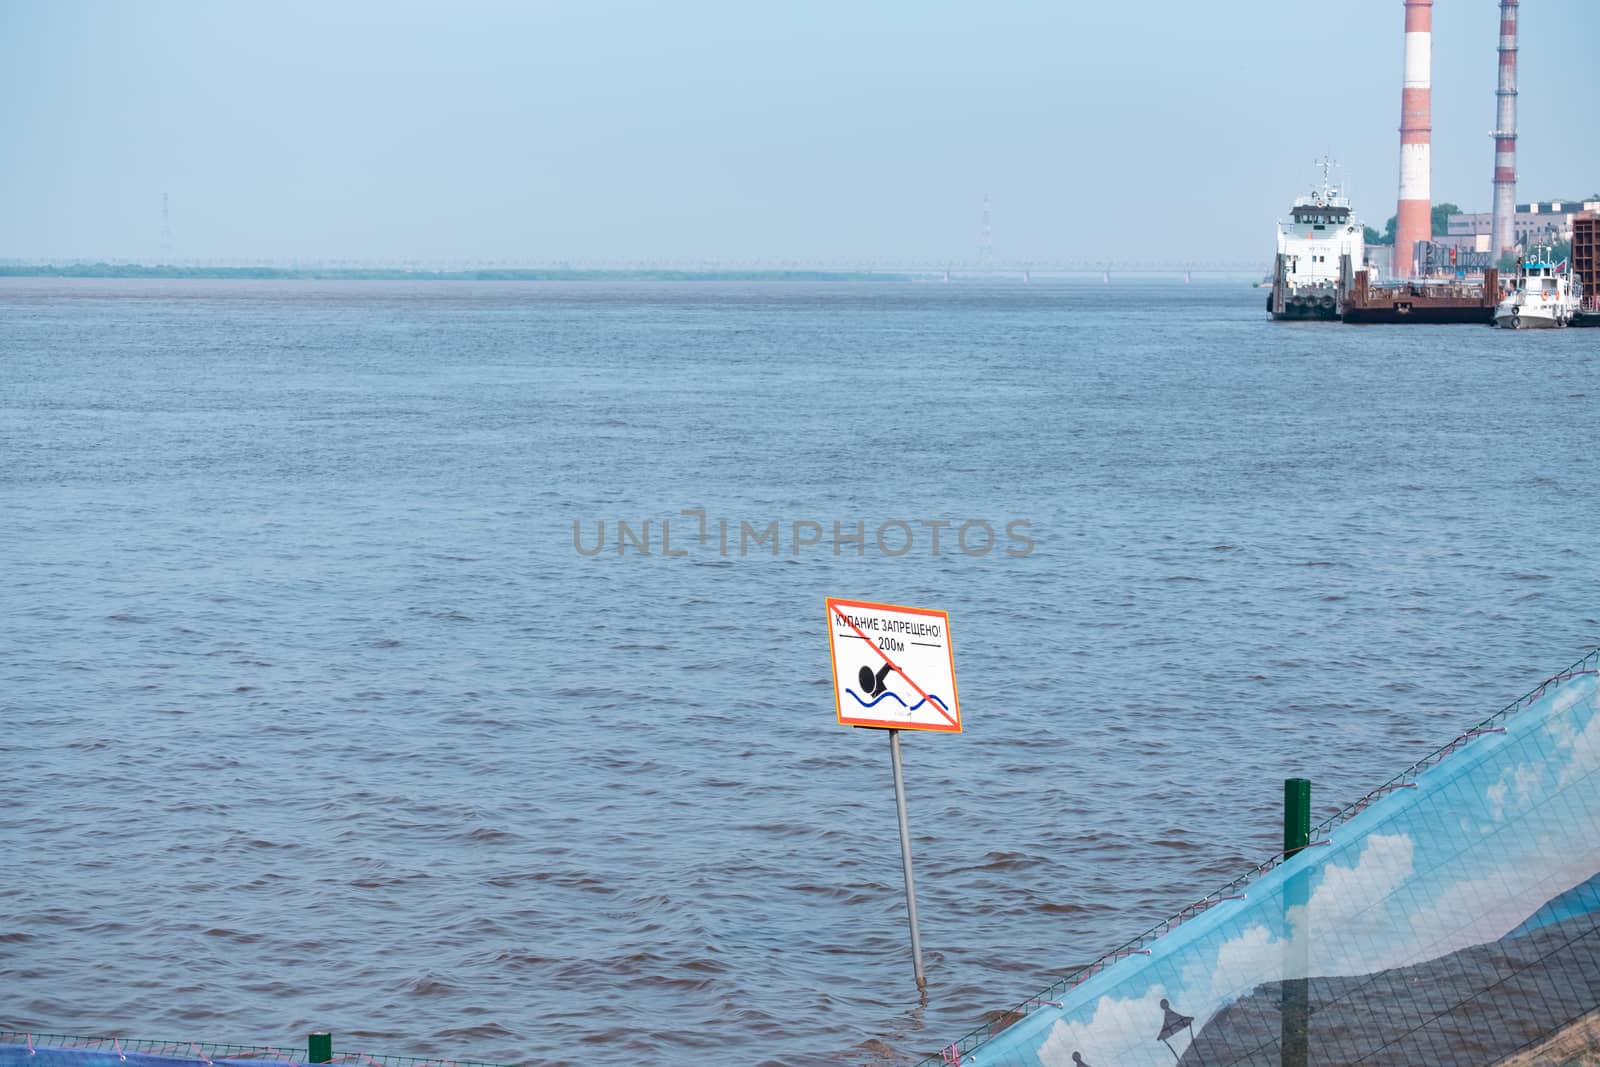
column 894, row 669
column 905, row 856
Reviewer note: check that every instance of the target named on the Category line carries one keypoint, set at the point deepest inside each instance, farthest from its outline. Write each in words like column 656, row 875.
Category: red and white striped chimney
column 1414, row 216
column 1504, row 239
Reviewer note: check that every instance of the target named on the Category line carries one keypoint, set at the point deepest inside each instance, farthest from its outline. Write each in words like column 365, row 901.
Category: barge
column 1421, row 301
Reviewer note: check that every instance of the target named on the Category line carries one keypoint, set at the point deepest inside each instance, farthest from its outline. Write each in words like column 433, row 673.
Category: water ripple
column 315, row 718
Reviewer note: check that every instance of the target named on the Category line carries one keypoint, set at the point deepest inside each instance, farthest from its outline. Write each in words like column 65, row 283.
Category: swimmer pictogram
column 875, row 690
column 872, row 684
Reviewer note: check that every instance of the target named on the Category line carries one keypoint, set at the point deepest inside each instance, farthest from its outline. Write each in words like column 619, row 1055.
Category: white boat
column 1540, row 295
column 1321, row 231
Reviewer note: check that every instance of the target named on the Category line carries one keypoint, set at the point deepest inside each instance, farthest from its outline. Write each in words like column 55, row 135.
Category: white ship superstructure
column 1321, row 230
column 1541, row 295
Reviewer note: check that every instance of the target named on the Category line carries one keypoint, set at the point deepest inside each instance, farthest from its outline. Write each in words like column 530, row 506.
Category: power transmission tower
column 166, row 234
column 986, row 241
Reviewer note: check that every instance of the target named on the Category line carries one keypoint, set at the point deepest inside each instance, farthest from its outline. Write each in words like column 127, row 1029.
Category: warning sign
column 893, row 667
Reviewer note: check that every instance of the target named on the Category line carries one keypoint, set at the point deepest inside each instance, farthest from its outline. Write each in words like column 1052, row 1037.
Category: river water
column 316, row 711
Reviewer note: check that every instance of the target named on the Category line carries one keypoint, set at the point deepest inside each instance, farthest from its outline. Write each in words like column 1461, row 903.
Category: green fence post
column 1296, row 814
column 319, row 1047
column 1296, row 996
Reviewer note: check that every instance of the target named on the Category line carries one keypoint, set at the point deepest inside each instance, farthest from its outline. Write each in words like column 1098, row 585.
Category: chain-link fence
column 1452, row 915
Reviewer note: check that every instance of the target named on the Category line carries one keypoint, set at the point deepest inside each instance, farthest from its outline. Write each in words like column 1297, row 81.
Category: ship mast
column 1329, row 190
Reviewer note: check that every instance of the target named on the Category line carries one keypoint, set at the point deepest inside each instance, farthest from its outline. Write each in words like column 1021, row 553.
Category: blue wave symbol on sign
column 886, row 694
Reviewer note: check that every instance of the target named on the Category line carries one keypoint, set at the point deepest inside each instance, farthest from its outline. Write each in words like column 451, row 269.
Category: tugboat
column 1321, row 231
column 1542, row 295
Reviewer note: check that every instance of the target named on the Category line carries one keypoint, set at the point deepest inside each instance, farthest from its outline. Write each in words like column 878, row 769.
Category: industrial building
column 1543, row 222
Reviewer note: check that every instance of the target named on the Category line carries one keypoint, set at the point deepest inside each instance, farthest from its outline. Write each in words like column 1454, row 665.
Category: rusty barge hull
column 1421, row 314
column 1423, row 302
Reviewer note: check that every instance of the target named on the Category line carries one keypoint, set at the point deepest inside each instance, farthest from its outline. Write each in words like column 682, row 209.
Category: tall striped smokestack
column 1503, row 237
column 1414, row 216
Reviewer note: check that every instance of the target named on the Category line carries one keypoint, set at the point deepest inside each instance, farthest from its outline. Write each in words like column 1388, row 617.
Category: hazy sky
column 609, row 130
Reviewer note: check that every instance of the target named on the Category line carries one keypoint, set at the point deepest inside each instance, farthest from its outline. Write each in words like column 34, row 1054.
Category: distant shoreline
column 362, row 274
column 576, row 274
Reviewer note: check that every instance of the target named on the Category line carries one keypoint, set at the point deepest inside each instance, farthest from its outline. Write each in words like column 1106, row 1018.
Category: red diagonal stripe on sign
column 895, row 666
